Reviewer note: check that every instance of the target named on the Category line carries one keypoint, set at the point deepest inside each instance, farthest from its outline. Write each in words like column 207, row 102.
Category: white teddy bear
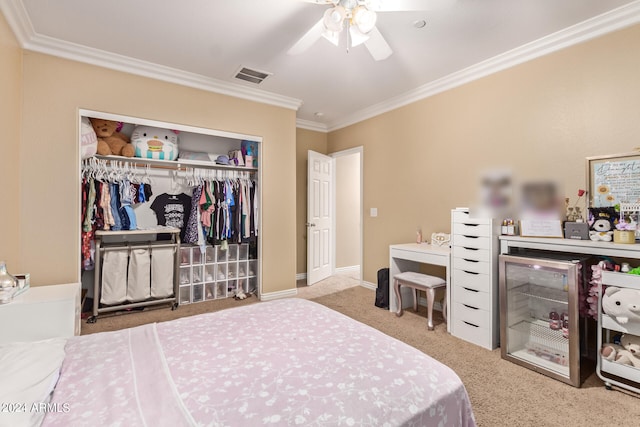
column 622, row 303
column 627, row 353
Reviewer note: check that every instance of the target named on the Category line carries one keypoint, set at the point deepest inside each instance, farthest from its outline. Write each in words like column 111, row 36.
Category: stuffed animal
column 110, row 141
column 626, row 353
column 622, row 303
column 155, row 143
column 601, row 230
column 601, row 223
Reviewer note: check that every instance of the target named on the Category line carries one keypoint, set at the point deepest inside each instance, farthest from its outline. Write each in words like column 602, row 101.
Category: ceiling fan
column 359, row 17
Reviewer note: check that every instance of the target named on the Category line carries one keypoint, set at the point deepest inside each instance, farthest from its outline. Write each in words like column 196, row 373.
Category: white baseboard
column 350, row 269
column 369, row 285
column 339, row 270
column 279, row 294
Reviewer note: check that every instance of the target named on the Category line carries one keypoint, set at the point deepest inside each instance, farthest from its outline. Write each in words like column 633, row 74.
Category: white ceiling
column 203, row 43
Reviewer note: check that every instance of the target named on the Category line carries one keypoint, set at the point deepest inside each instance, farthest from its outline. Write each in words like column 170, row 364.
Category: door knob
column 310, row 224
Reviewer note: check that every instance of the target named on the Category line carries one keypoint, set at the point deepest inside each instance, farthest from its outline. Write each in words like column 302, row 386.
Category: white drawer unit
column 474, row 279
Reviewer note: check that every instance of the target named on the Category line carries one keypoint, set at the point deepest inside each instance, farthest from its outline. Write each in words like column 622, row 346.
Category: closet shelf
column 174, row 164
column 159, row 229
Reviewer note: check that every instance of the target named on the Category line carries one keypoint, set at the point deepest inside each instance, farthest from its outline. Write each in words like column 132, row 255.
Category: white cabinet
column 474, row 312
column 42, row 312
column 608, row 326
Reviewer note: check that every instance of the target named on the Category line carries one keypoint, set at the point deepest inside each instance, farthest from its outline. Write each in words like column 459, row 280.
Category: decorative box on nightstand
column 40, row 313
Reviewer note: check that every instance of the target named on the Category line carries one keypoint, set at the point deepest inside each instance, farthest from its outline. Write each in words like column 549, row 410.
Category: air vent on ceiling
column 250, row 75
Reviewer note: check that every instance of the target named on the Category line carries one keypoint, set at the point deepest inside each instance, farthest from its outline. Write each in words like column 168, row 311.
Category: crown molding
column 613, row 20
column 20, row 23
column 310, row 125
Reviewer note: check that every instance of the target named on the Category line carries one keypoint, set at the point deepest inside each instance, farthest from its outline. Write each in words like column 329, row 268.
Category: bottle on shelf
column 565, row 325
column 554, row 320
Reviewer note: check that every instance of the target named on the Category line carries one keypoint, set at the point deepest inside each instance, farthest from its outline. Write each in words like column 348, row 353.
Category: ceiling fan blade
column 377, row 45
column 408, row 5
column 308, row 39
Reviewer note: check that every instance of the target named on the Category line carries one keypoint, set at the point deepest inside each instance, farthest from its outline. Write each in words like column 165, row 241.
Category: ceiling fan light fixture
column 364, row 19
column 334, row 19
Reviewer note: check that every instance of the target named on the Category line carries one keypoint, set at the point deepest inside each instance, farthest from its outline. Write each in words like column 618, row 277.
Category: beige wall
column 305, row 140
column 54, row 90
column 541, row 119
column 348, row 210
column 10, row 100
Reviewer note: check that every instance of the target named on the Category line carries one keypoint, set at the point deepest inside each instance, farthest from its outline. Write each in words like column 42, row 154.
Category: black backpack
column 382, row 292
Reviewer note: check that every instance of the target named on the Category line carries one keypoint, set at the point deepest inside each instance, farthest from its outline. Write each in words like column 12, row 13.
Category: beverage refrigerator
column 540, row 325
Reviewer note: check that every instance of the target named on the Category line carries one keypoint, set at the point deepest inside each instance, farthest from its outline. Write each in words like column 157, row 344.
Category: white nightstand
column 40, row 313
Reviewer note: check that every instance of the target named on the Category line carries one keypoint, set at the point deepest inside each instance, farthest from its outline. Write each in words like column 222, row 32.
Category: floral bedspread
column 284, row 362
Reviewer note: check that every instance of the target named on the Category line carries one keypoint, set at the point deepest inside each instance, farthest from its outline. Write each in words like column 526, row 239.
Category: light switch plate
column 374, row 212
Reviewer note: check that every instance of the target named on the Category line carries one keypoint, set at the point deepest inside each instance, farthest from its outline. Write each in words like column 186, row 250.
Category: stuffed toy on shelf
column 110, row 141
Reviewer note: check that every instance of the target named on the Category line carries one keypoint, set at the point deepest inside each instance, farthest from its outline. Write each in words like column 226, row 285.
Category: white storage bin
column 232, row 270
column 221, row 255
column 210, row 255
column 209, row 291
column 243, row 252
column 185, row 275
column 221, row 290
column 196, row 255
column 210, row 273
column 185, row 255
column 232, row 286
column 185, row 294
column 197, row 292
column 233, row 252
column 221, row 272
column 197, row 274
column 243, row 268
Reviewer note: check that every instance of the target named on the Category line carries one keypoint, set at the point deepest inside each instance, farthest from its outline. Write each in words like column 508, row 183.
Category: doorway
column 345, row 248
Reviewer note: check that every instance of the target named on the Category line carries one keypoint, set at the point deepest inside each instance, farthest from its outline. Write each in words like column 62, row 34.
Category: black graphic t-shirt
column 173, row 211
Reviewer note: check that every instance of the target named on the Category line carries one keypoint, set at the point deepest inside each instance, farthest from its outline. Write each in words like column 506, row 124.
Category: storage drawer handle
column 470, row 249
column 470, row 237
column 471, row 272
column 471, row 260
column 470, row 324
column 469, row 289
column 471, row 225
column 472, row 308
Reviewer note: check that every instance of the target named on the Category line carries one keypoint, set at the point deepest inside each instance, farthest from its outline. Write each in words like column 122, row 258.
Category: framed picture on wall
column 613, row 179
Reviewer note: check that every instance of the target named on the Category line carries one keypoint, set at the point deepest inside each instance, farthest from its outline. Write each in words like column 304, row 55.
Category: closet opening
column 176, row 223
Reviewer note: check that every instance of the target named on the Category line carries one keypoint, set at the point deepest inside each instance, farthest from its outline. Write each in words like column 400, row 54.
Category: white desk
column 408, row 257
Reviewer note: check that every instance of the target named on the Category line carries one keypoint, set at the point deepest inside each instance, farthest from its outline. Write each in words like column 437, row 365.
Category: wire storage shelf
column 542, row 293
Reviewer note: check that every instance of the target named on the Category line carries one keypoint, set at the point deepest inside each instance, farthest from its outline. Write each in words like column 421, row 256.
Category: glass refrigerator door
column 537, row 313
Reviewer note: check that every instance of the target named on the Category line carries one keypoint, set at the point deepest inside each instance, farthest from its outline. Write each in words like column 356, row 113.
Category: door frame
column 342, row 153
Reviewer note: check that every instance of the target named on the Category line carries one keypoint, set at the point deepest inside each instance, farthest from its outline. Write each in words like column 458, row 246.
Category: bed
column 282, row 362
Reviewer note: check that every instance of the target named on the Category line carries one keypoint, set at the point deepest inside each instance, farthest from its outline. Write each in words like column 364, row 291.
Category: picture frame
column 613, row 179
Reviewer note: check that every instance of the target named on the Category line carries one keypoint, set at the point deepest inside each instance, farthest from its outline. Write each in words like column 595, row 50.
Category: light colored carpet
column 502, row 393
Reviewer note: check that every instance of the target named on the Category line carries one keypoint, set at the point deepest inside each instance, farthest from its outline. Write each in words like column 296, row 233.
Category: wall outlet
column 373, row 213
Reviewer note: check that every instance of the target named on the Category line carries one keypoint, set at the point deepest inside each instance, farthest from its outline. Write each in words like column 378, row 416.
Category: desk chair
column 420, row 282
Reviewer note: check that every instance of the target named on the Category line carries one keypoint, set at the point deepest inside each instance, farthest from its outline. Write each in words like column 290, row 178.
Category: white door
column 320, row 182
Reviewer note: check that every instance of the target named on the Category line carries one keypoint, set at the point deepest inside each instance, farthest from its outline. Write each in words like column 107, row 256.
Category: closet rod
column 181, row 165
column 134, row 246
